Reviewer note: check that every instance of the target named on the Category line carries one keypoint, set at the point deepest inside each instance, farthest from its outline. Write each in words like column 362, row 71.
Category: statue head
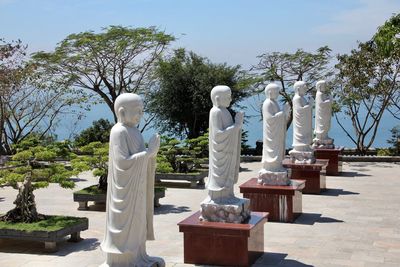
column 272, row 91
column 221, row 96
column 321, row 86
column 300, row 88
column 129, row 109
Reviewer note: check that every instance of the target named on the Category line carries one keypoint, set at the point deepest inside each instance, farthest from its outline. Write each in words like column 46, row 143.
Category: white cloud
column 361, row 22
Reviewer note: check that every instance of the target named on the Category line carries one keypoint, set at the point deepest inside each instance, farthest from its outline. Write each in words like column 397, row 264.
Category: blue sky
column 232, row 31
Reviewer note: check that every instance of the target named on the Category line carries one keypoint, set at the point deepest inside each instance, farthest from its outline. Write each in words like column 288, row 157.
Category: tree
column 99, row 131
column 181, row 102
column 366, row 82
column 103, row 65
column 387, row 41
column 32, row 168
column 287, row 68
column 28, row 104
column 96, row 159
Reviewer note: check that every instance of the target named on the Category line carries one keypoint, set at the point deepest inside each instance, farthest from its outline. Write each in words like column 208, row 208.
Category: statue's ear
column 217, row 98
column 121, row 114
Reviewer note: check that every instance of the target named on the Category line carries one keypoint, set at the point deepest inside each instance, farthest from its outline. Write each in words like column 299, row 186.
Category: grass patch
column 51, row 223
column 91, row 190
column 158, row 189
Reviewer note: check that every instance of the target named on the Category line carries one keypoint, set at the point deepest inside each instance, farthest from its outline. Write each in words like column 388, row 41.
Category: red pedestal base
column 226, row 244
column 332, row 154
column 314, row 174
column 283, row 203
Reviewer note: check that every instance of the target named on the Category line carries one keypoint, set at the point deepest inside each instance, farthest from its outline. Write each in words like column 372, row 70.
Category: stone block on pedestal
column 224, row 244
column 229, row 210
column 332, row 154
column 282, row 202
column 314, row 174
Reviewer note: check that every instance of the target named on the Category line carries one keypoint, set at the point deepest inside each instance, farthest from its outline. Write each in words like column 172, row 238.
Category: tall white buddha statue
column 323, row 115
column 224, row 158
column 302, row 126
column 274, row 136
column 130, row 192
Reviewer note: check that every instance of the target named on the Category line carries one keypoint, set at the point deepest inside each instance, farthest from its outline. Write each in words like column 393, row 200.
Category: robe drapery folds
column 323, row 114
column 130, row 192
column 302, row 122
column 274, row 129
column 224, row 150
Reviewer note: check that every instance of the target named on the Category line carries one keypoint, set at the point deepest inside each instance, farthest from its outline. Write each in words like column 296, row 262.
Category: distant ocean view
column 253, row 126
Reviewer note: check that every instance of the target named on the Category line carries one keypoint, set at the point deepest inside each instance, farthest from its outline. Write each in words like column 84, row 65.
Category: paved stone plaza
column 356, row 222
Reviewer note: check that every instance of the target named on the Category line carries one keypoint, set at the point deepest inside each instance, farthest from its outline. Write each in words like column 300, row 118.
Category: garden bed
column 93, row 193
column 195, row 178
column 50, row 230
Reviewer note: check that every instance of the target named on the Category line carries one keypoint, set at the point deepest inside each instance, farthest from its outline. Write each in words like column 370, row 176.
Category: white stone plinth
column 266, row 177
column 327, row 143
column 303, row 157
column 229, row 210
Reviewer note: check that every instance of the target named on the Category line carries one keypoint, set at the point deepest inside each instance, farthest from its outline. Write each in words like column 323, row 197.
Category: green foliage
column 287, row 68
column 38, row 162
column 118, row 59
column 182, row 101
column 99, row 131
column 96, row 159
column 384, row 152
column 23, row 155
column 365, row 86
column 386, row 38
column 185, row 156
column 394, row 140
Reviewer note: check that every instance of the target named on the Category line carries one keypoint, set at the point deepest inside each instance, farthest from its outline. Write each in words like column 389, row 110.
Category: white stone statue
column 323, row 115
column 302, row 126
column 224, row 158
column 130, row 192
column 274, row 136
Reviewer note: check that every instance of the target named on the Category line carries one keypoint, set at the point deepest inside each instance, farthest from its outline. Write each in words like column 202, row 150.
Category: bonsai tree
column 30, row 169
column 183, row 157
column 95, row 158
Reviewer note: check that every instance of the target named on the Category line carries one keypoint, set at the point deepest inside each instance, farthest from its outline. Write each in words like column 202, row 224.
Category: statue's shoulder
column 118, row 130
column 215, row 111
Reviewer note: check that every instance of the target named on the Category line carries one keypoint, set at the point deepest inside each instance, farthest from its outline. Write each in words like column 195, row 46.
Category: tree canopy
column 181, row 101
column 28, row 103
column 287, row 68
column 366, row 83
column 101, row 66
column 387, row 41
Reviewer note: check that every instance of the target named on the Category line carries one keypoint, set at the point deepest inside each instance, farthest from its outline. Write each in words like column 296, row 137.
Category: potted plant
column 183, row 161
column 29, row 169
column 95, row 157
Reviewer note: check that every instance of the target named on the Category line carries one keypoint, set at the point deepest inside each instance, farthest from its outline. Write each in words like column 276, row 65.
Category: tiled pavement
column 356, row 222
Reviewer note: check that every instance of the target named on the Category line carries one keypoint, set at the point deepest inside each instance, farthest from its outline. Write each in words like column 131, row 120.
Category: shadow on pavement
column 244, row 169
column 335, row 192
column 34, row 247
column 2, row 199
column 165, row 209
column 76, row 179
column 353, row 174
column 277, row 259
column 312, row 218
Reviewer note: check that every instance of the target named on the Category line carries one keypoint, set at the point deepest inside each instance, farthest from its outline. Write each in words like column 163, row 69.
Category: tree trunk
column 103, row 182
column 25, row 206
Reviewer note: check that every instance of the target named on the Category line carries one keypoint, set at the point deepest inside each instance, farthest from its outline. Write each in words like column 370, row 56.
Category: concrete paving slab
column 354, row 223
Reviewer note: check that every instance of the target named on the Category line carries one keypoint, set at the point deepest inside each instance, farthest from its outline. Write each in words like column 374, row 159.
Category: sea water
column 253, row 125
